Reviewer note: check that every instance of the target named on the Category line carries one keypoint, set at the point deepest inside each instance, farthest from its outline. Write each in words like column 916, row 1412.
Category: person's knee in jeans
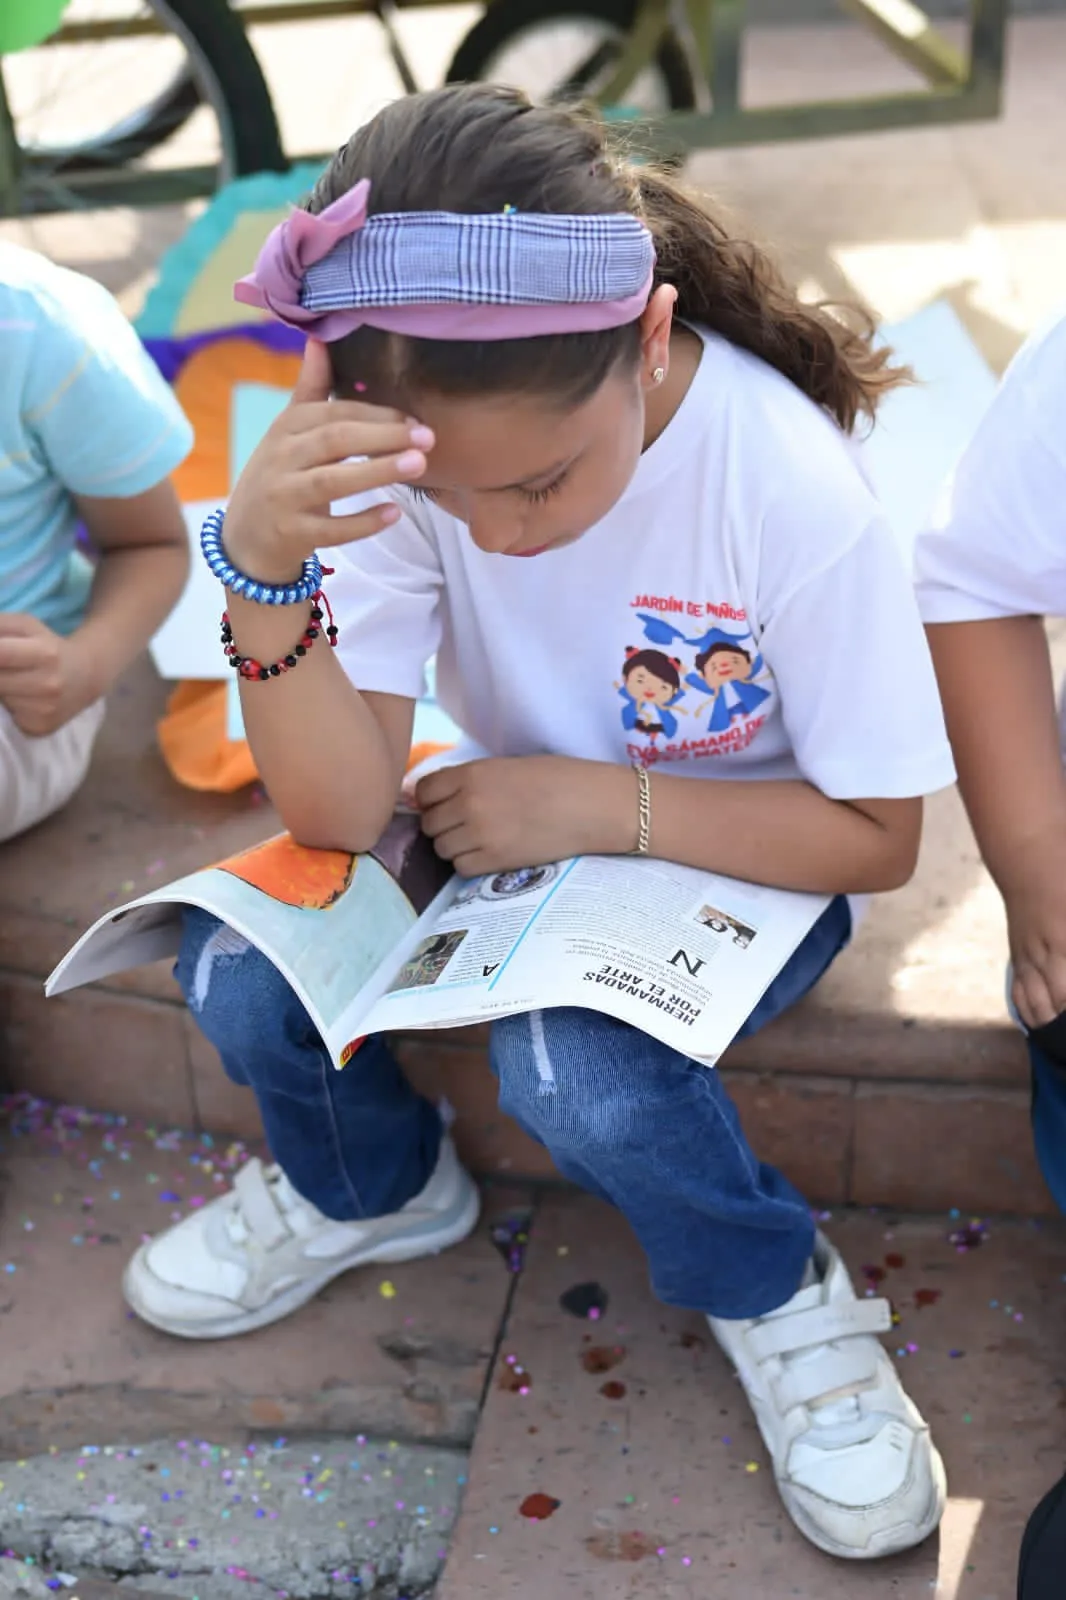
column 238, row 997
column 357, row 1144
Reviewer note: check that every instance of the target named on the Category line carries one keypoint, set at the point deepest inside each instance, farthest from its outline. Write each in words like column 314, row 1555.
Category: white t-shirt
column 747, row 531
column 997, row 546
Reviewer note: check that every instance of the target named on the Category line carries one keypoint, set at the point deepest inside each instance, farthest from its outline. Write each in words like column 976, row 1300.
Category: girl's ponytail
column 480, row 147
column 731, row 286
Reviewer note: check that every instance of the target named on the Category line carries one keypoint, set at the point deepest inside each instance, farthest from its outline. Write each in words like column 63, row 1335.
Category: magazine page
column 327, row 919
column 685, row 955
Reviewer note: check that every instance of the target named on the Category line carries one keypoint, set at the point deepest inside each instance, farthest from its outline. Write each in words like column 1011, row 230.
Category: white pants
column 37, row 776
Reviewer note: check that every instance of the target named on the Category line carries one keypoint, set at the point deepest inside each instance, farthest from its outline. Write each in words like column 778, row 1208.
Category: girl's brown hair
column 479, row 148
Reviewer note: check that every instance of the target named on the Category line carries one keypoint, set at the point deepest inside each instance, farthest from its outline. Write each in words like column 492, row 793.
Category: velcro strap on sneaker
column 825, row 1375
column 801, row 1330
column 264, row 1220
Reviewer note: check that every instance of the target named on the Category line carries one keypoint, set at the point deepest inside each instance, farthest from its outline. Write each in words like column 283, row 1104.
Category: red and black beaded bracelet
column 248, row 667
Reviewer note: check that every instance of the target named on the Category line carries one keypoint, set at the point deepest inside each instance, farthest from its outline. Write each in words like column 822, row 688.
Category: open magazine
column 394, row 940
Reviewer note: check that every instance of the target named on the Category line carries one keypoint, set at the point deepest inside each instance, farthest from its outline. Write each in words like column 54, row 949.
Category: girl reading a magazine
column 565, row 413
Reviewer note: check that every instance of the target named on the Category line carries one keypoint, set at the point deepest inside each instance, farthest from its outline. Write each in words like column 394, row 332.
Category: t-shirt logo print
column 720, row 690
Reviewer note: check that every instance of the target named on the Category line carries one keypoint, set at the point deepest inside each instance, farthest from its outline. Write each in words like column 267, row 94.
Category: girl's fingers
column 1054, row 976
column 339, row 441
column 456, row 841
column 471, row 864
column 441, row 817
column 304, row 418
column 325, row 531
column 321, row 486
column 1033, row 998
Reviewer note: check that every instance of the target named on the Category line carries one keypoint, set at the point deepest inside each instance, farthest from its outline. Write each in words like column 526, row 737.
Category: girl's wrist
column 98, row 660
column 610, row 810
column 1022, row 866
column 254, row 560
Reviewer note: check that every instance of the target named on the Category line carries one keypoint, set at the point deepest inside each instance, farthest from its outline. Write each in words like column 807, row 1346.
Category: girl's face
column 644, row 685
column 527, row 475
column 526, row 478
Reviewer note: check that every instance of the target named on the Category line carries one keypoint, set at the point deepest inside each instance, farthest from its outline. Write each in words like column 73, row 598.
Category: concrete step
column 900, row 1082
column 633, row 1434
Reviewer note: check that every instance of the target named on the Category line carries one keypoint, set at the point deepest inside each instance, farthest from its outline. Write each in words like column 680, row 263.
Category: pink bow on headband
column 502, row 276
column 292, row 247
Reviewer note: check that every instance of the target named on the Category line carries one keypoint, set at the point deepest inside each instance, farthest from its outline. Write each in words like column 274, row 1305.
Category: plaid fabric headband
column 445, row 275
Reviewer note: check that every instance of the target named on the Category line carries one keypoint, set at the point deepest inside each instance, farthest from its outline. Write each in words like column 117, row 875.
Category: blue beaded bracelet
column 264, row 594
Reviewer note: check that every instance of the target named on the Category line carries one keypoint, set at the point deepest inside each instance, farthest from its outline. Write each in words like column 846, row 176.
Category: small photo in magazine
column 523, row 880
column 721, row 922
column 429, row 961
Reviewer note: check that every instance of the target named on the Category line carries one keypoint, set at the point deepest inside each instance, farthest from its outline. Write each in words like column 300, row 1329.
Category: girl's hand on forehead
column 279, row 512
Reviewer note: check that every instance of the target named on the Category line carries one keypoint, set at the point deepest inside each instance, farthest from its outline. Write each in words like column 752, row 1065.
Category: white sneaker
column 261, row 1251
column 851, row 1454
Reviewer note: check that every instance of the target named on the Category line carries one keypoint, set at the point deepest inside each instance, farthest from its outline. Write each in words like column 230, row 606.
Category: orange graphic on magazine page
column 295, row 875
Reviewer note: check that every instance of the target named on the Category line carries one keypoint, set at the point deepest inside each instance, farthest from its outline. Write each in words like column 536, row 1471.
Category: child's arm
column 987, row 569
column 491, row 815
column 859, row 703
column 998, row 694
column 332, row 758
column 46, row 679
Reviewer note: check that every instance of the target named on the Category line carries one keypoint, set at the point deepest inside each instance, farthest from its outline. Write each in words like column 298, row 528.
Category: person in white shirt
column 610, row 385
column 989, row 570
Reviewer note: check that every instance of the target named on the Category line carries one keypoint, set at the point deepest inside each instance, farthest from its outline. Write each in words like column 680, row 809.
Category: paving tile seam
column 504, row 1321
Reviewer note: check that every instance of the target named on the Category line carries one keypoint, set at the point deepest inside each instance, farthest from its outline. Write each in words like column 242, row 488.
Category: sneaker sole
column 896, row 1539
column 432, row 1241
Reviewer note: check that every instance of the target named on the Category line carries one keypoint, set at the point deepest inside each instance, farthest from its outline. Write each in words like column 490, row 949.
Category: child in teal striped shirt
column 89, row 435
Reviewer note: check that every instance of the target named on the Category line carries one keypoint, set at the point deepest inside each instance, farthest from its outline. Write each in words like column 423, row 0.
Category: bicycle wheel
column 556, row 52
column 88, row 108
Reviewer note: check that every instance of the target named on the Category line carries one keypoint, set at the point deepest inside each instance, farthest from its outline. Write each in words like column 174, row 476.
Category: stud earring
column 658, row 375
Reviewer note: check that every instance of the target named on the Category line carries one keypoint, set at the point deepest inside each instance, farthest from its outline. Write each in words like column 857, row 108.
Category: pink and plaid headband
column 447, row 275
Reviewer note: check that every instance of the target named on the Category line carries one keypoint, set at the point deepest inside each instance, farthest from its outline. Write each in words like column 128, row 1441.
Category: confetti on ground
column 511, row 1238
column 514, row 1379
column 92, row 1143
column 970, row 1237
column 602, row 1357
column 613, row 1390
column 538, row 1507
column 631, row 1545
column 586, row 1300
column 387, row 1290
column 212, row 1517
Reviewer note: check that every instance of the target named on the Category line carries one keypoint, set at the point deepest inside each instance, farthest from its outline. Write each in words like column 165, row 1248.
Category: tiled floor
column 635, row 1425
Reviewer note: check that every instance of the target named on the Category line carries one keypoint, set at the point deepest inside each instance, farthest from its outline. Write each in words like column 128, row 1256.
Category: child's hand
column 44, row 678
column 524, row 811
column 1036, row 918
column 279, row 511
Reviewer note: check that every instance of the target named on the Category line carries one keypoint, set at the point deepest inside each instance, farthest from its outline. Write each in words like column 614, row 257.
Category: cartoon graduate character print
column 725, row 671
column 650, row 688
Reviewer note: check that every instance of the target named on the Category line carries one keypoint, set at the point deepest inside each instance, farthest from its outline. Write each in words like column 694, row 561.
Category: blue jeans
column 624, row 1117
column 1049, row 1120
